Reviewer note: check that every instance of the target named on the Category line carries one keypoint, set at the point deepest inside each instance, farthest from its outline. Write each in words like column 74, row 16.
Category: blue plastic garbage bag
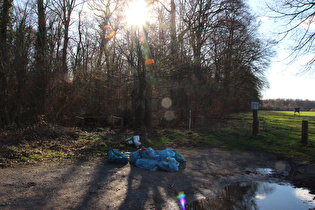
column 157, row 158
column 167, row 153
column 158, row 152
column 179, row 157
column 148, row 164
column 149, row 159
column 168, row 161
column 148, row 153
column 169, row 165
column 115, row 156
column 134, row 156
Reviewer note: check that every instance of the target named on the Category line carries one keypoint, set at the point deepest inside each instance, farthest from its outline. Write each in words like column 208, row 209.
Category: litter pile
column 147, row 158
column 134, row 140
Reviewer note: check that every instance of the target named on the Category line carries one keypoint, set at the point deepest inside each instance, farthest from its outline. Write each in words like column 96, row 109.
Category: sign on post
column 255, row 105
column 255, row 108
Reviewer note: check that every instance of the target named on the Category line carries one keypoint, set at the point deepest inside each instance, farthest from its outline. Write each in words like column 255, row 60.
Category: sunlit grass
column 301, row 114
column 280, row 133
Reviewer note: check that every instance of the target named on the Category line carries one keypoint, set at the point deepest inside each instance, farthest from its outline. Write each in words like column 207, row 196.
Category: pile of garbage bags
column 149, row 159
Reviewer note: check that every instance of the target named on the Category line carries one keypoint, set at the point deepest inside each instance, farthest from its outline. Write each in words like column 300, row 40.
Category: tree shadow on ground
column 97, row 184
column 73, row 186
column 97, row 193
column 153, row 189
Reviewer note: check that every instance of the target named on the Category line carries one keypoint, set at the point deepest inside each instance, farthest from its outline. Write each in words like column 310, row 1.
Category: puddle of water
column 265, row 171
column 258, row 195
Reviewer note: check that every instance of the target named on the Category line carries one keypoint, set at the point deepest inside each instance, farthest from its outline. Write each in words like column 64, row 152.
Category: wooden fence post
column 189, row 123
column 255, row 123
column 304, row 132
column 255, row 108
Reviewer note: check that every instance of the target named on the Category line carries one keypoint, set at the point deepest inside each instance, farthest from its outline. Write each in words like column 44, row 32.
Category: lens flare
column 69, row 77
column 166, row 102
column 111, row 35
column 181, row 197
column 108, row 34
column 279, row 166
column 137, row 13
column 169, row 115
column 149, row 61
column 142, row 39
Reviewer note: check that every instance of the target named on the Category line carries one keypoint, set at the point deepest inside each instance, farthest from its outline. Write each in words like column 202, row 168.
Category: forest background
column 61, row 59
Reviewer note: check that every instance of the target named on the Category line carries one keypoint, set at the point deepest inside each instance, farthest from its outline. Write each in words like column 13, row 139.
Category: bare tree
column 298, row 17
column 40, row 73
column 198, row 21
column 23, row 41
column 63, row 9
column 5, row 27
column 240, row 57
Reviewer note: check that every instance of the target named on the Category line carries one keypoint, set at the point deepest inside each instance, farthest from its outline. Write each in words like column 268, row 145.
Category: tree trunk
column 41, row 67
column 4, row 60
column 173, row 29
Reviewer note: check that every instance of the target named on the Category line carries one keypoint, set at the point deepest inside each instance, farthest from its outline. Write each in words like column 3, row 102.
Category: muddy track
column 96, row 184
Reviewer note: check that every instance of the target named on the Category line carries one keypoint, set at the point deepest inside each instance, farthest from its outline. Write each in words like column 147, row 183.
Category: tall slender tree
column 5, row 20
column 23, row 40
column 63, row 9
column 40, row 73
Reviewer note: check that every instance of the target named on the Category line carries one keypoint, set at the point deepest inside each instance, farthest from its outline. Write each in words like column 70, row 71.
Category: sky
column 285, row 80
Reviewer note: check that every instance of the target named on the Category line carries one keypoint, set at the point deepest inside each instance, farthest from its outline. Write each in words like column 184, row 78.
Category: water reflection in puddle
column 265, row 171
column 258, row 195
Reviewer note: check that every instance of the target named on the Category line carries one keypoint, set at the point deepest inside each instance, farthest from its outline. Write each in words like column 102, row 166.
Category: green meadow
column 280, row 133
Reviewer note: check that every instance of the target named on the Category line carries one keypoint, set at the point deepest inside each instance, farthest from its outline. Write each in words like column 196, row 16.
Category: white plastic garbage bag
column 136, row 140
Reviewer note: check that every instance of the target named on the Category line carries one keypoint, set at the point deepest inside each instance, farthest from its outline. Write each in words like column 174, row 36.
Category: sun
column 137, row 13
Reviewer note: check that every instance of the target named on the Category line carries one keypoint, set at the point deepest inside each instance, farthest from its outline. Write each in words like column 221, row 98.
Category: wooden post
column 304, row 132
column 255, row 123
column 255, row 108
column 189, row 123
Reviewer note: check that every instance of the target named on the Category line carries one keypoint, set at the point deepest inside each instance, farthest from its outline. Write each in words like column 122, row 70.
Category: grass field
column 287, row 129
column 280, row 133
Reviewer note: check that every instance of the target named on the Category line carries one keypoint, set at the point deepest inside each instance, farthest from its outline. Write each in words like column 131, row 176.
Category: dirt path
column 97, row 184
